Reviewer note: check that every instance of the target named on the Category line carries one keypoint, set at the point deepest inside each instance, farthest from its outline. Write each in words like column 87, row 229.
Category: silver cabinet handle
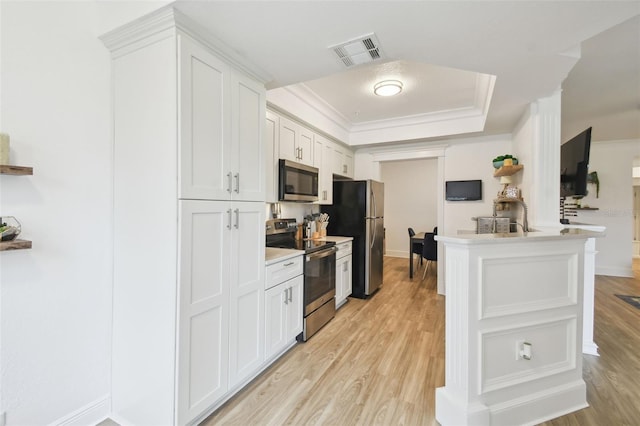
column 286, row 297
column 291, row 294
column 301, row 153
column 237, row 211
column 288, row 264
column 237, row 176
column 344, row 168
column 229, row 182
column 229, row 224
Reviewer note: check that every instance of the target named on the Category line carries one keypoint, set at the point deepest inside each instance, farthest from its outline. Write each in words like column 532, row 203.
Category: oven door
column 319, row 279
column 297, row 182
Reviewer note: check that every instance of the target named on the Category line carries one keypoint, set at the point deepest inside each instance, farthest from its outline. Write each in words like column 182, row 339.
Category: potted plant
column 593, row 178
column 499, row 160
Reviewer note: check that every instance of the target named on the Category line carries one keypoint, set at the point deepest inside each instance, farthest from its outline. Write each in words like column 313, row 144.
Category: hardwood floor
column 379, row 362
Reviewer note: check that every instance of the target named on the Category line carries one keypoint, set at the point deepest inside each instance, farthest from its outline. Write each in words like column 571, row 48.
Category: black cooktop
column 281, row 234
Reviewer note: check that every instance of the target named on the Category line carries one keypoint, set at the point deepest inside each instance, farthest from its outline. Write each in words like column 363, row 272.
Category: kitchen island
column 514, row 314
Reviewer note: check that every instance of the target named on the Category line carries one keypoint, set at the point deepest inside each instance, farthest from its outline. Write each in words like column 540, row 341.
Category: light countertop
column 274, row 255
column 336, row 239
column 543, row 234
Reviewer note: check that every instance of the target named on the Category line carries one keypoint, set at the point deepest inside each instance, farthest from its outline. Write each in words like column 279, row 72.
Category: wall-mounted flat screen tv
column 574, row 165
column 463, row 190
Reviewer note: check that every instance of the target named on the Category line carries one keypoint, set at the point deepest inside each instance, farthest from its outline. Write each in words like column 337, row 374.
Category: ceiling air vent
column 358, row 51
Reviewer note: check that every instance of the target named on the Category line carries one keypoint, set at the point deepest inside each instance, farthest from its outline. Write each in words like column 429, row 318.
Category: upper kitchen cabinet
column 272, row 147
column 296, row 142
column 342, row 161
column 323, row 160
column 221, row 127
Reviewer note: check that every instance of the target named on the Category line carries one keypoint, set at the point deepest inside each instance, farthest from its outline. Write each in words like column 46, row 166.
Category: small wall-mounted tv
column 463, row 190
column 574, row 165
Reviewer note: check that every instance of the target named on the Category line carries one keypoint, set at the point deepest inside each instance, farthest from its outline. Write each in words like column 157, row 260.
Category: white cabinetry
column 323, row 160
column 220, row 301
column 283, row 300
column 272, row 154
column 296, row 142
column 221, row 125
column 188, row 262
column 343, row 272
column 342, row 161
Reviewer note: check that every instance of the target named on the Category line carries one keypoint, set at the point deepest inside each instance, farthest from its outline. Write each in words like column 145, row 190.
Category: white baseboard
column 397, row 253
column 451, row 410
column 614, row 272
column 539, row 407
column 590, row 348
column 91, row 414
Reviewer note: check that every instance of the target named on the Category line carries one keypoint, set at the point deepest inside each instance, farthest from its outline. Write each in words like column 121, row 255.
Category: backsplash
column 293, row 210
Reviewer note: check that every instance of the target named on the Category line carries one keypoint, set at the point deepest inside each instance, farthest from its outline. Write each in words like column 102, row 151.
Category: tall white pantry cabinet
column 189, row 188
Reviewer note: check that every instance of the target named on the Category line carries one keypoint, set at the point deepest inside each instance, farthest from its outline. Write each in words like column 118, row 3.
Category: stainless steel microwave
column 297, row 182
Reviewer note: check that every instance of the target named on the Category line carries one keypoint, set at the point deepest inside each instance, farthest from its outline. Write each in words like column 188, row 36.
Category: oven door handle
column 321, row 254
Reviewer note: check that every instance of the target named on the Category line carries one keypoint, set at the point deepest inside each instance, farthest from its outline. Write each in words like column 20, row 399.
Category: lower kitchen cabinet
column 343, row 272
column 283, row 306
column 221, row 299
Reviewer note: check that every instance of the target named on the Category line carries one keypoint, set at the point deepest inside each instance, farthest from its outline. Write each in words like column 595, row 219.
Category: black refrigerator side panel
column 347, row 219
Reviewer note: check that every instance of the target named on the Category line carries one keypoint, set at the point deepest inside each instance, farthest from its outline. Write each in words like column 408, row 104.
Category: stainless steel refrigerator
column 358, row 212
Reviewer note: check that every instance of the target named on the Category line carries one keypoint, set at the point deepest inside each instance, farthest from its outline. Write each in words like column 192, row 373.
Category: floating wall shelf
column 15, row 245
column 508, row 170
column 15, row 170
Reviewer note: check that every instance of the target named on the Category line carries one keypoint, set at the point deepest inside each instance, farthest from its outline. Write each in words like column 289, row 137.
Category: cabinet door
column 347, row 277
column 348, row 164
column 276, row 300
column 203, row 323
column 339, row 284
column 338, row 160
column 322, row 159
column 272, row 147
column 294, row 308
column 305, row 144
column 247, row 132
column 246, row 332
column 289, row 134
column 204, row 121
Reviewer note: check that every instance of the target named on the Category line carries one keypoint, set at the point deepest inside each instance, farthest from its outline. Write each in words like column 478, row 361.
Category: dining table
column 418, row 238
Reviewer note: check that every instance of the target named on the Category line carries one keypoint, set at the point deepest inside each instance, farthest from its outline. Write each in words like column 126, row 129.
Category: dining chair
column 429, row 249
column 416, row 248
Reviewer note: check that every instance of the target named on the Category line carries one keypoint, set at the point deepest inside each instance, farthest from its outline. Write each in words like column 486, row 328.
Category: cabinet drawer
column 283, row 271
column 344, row 249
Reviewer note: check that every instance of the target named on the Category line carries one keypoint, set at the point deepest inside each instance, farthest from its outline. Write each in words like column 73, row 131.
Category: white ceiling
column 438, row 49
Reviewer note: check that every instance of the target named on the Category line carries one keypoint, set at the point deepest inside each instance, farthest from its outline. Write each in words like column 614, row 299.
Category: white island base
column 513, row 328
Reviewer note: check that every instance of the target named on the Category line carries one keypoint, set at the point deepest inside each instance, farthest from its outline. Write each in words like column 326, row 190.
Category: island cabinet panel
column 513, row 328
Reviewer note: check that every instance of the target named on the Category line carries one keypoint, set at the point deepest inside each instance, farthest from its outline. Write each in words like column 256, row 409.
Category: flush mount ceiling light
column 387, row 88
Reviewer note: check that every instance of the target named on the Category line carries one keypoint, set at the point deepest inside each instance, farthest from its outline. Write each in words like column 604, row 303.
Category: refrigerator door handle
column 373, row 201
column 372, row 222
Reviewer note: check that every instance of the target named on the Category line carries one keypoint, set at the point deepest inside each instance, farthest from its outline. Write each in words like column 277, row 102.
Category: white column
column 545, row 161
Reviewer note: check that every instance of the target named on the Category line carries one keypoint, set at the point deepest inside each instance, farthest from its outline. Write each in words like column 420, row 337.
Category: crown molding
column 165, row 22
column 463, row 120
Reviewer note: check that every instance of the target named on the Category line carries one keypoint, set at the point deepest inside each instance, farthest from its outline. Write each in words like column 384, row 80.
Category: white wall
column 613, row 160
column 410, row 200
column 56, row 298
column 470, row 159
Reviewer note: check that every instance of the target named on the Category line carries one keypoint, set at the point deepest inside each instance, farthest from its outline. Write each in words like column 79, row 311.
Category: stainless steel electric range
column 319, row 273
